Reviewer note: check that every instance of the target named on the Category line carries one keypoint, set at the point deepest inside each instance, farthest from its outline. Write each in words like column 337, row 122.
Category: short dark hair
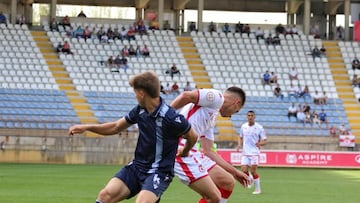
column 147, row 81
column 240, row 92
column 251, row 111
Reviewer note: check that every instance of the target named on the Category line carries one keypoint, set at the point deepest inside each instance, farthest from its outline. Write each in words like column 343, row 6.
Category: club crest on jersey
column 210, row 96
column 177, row 119
column 201, row 168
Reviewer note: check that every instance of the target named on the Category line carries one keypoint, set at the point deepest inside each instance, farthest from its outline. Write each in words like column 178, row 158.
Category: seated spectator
column 110, row 62
column 125, row 51
column 246, row 29
column 145, row 51
column 266, row 78
column 293, row 74
column 110, row 33
column 142, row 28
column 132, row 51
column 305, row 92
column 259, row 34
column 278, row 92
column 3, row 19
column 173, row 70
column 355, row 64
column 268, row 39
column 162, row 89
column 323, row 51
column 273, row 78
column 123, row 33
column 314, row 30
column 355, row 81
column 154, row 24
column 276, row 40
column 294, row 30
column 212, row 27
column 300, row 115
column 79, row 32
column 333, row 131
column 317, row 97
column 239, row 27
column 323, row 118
column 315, row 52
column 308, row 118
column 53, row 25
column 124, row 63
column 87, row 33
column 324, row 98
column 279, row 29
column 188, row 87
column 81, row 15
column 138, row 51
column 117, row 61
column 66, row 48
column 226, row 28
column 59, row 47
column 175, row 89
column 131, row 33
column 116, row 34
column 306, row 107
column 21, row 19
column 292, row 111
column 292, row 91
column 101, row 32
column 66, row 22
column 342, row 130
column 316, row 118
column 167, row 89
column 288, row 30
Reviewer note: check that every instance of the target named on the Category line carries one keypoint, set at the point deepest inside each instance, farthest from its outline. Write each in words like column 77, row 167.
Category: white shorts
column 250, row 160
column 192, row 168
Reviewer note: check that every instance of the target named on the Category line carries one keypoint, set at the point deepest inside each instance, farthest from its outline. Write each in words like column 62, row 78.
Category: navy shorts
column 137, row 180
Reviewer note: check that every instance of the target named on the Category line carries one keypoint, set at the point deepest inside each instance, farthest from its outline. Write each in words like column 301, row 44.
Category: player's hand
column 76, row 129
column 181, row 153
column 243, row 179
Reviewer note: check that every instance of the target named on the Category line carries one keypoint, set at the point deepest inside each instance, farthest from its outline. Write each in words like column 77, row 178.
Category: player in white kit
column 205, row 171
column 252, row 137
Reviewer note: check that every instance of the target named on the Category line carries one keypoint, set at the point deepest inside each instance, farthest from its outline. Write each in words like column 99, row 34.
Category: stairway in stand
column 343, row 86
column 225, row 126
column 78, row 101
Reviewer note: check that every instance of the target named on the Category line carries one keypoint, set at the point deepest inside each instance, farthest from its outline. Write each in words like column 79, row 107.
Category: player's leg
column 207, row 189
column 245, row 163
column 153, row 187
column 114, row 191
column 224, row 181
column 254, row 166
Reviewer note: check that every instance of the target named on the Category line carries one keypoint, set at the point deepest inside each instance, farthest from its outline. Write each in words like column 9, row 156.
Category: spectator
column 292, row 111
column 212, row 27
column 317, row 97
column 323, row 51
column 279, row 29
column 308, row 118
column 131, row 33
column 53, row 25
column 132, row 51
column 324, row 98
column 167, row 89
column 110, row 62
column 300, row 115
column 145, row 51
column 278, row 92
column 333, row 131
column 305, row 92
column 323, row 118
column 124, row 63
column 125, row 51
column 81, row 15
column 116, row 34
column 259, row 34
column 101, row 32
column 269, row 39
column 87, row 33
column 293, row 91
column 288, row 30
column 246, row 29
column 175, row 89
column 239, row 27
column 355, row 64
column 315, row 31
column 79, row 32
column 343, row 130
column 273, row 78
column 154, row 24
column 293, row 74
column 276, row 39
column 226, row 28
column 66, row 48
column 316, row 118
column 3, row 19
column 117, row 61
column 355, row 81
column 66, row 22
column 192, row 27
column 138, row 51
column 340, row 33
column 294, row 30
column 21, row 19
column 315, row 52
column 173, row 70
column 266, row 78
column 306, row 108
column 188, row 87
column 123, row 33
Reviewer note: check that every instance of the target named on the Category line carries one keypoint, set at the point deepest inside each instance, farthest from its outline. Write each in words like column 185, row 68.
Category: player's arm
column 207, row 146
column 191, row 138
column 184, row 98
column 109, row 128
column 240, row 143
column 261, row 143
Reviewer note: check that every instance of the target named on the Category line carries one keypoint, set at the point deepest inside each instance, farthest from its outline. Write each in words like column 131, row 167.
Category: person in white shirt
column 252, row 137
column 259, row 34
column 293, row 74
column 317, row 97
column 215, row 179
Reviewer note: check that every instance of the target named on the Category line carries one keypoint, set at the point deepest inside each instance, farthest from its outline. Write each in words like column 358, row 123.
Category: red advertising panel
column 315, row 159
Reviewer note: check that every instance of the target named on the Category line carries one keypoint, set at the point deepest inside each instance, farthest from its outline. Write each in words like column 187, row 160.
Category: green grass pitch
column 54, row 183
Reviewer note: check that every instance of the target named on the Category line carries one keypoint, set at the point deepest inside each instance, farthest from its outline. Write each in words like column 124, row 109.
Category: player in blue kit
column 160, row 128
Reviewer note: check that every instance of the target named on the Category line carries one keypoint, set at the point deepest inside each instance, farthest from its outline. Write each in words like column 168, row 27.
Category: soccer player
column 205, row 171
column 160, row 128
column 252, row 137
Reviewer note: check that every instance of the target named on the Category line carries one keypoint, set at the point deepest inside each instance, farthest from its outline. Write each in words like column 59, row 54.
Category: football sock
column 202, row 200
column 257, row 182
column 225, row 194
column 98, row 201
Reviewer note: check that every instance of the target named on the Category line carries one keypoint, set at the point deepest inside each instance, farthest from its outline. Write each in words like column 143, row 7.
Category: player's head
column 234, row 100
column 146, row 85
column 251, row 117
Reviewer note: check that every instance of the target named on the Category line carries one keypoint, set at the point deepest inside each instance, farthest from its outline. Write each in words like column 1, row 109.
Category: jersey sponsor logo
column 177, row 119
column 156, row 181
column 210, row 96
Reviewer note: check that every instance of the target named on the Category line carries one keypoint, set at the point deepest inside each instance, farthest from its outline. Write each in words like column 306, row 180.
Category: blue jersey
column 158, row 140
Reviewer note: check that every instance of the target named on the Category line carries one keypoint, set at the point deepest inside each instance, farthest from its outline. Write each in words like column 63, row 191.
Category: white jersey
column 251, row 135
column 202, row 115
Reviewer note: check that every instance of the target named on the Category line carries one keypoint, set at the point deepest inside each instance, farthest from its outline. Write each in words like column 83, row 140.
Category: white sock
column 222, row 200
column 257, row 184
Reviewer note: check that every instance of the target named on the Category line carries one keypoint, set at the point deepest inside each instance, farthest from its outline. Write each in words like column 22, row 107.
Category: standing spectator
column 315, row 52
column 152, row 169
column 145, row 51
column 252, row 137
column 175, row 89
column 192, row 26
column 81, row 15
column 355, row 64
column 292, row 111
column 3, row 19
column 293, row 74
column 323, row 118
column 259, row 34
column 278, row 92
column 266, row 78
